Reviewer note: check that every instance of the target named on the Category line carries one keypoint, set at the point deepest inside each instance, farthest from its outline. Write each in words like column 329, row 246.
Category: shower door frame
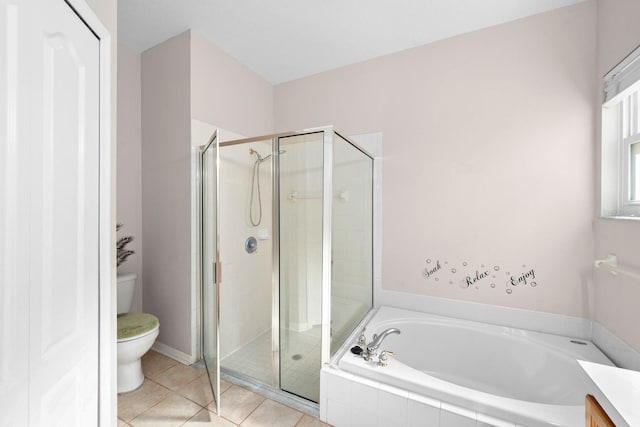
column 212, row 144
column 327, row 202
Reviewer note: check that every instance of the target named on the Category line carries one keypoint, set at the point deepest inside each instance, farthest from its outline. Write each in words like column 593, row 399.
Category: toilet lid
column 133, row 324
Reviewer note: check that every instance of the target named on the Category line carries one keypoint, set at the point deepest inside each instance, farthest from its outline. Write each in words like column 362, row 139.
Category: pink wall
column 166, row 189
column 487, row 157
column 185, row 77
column 616, row 298
column 129, row 185
column 226, row 93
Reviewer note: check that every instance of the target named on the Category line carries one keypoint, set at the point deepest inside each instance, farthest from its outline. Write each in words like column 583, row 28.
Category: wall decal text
column 471, row 275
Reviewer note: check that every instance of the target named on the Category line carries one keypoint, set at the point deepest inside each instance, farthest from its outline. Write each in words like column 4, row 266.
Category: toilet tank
column 126, row 285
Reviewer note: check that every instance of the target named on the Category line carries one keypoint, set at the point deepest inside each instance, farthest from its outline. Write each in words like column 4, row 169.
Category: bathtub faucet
column 372, row 347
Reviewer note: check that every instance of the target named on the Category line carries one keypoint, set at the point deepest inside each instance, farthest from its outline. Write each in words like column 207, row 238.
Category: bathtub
column 451, row 372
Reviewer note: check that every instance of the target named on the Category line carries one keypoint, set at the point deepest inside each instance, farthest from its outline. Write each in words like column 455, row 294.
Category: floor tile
column 224, row 385
column 309, row 421
column 237, row 403
column 209, row 419
column 176, row 396
column 178, row 376
column 198, row 390
column 272, row 414
column 174, row 410
column 154, row 363
column 132, row 404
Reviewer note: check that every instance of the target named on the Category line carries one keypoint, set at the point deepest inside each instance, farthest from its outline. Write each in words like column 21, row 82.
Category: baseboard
column 620, row 353
column 184, row 358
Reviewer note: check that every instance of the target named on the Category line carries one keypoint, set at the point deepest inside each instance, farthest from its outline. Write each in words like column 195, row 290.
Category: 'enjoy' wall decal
column 468, row 276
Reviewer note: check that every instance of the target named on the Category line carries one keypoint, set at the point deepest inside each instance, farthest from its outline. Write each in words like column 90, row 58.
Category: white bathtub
column 451, row 372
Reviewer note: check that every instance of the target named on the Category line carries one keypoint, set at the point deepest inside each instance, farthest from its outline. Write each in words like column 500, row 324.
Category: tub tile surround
column 177, row 395
column 352, row 401
column 537, row 321
column 621, row 353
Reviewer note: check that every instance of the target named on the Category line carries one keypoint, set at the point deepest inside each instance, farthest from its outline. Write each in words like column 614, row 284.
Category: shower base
column 299, row 361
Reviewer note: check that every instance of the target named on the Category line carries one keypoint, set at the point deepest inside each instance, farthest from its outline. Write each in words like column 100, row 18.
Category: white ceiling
column 283, row 40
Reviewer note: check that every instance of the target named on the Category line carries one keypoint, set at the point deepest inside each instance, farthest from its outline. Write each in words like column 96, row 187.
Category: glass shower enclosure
column 286, row 255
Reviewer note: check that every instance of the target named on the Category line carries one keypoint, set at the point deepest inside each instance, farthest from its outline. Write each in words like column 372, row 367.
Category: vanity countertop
column 620, row 389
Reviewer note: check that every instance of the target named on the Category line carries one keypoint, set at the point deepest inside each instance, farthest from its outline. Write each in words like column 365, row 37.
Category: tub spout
column 373, row 346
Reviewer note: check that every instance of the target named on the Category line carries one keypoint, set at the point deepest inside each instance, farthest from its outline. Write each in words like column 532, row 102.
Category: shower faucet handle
column 384, row 357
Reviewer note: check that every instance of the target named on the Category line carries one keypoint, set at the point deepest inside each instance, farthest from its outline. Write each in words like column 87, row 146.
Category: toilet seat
column 132, row 326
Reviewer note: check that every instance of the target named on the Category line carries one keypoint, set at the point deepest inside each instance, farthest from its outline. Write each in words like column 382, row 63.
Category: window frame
column 628, row 135
column 620, row 131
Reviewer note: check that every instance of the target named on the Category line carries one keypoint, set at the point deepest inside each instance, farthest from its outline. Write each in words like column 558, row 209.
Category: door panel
column 210, row 263
column 49, row 220
column 64, row 212
column 13, row 285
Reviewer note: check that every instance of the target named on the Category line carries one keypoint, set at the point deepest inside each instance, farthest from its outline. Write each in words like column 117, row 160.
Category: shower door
column 210, row 262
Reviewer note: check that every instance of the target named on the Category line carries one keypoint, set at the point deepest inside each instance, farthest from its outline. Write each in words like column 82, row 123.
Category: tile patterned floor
column 177, row 395
column 300, row 368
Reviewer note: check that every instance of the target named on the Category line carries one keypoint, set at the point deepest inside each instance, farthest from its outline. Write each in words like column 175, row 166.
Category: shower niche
column 286, row 234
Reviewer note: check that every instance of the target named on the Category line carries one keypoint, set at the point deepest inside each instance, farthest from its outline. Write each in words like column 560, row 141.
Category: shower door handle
column 217, row 272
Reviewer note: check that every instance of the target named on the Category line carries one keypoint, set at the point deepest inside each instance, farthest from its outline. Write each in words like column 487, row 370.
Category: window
column 620, row 181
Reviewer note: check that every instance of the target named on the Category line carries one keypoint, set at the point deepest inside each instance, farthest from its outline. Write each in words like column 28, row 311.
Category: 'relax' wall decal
column 477, row 276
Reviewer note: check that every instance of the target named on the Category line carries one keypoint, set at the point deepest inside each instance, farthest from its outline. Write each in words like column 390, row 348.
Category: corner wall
column 226, row 93
column 487, row 157
column 166, row 189
column 616, row 297
column 182, row 78
column 129, row 180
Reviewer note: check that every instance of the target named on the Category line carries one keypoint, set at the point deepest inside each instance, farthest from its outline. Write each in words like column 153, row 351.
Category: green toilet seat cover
column 133, row 324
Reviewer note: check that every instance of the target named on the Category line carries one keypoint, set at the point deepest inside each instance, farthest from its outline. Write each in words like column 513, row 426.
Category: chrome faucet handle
column 384, row 356
column 362, row 340
column 369, row 355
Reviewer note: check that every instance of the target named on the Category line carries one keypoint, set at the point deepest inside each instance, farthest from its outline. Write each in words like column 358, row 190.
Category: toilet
column 136, row 334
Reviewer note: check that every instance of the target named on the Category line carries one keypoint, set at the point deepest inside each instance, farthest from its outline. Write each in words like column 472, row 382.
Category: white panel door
column 49, row 215
column 14, row 296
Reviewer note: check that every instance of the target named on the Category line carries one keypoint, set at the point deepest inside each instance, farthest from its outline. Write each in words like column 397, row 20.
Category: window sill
column 620, row 218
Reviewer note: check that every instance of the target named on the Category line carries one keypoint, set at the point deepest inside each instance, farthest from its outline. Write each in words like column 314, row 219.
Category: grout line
column 201, row 407
column 254, row 410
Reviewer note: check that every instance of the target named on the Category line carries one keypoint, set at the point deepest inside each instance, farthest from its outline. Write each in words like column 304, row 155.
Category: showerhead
column 262, row 159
